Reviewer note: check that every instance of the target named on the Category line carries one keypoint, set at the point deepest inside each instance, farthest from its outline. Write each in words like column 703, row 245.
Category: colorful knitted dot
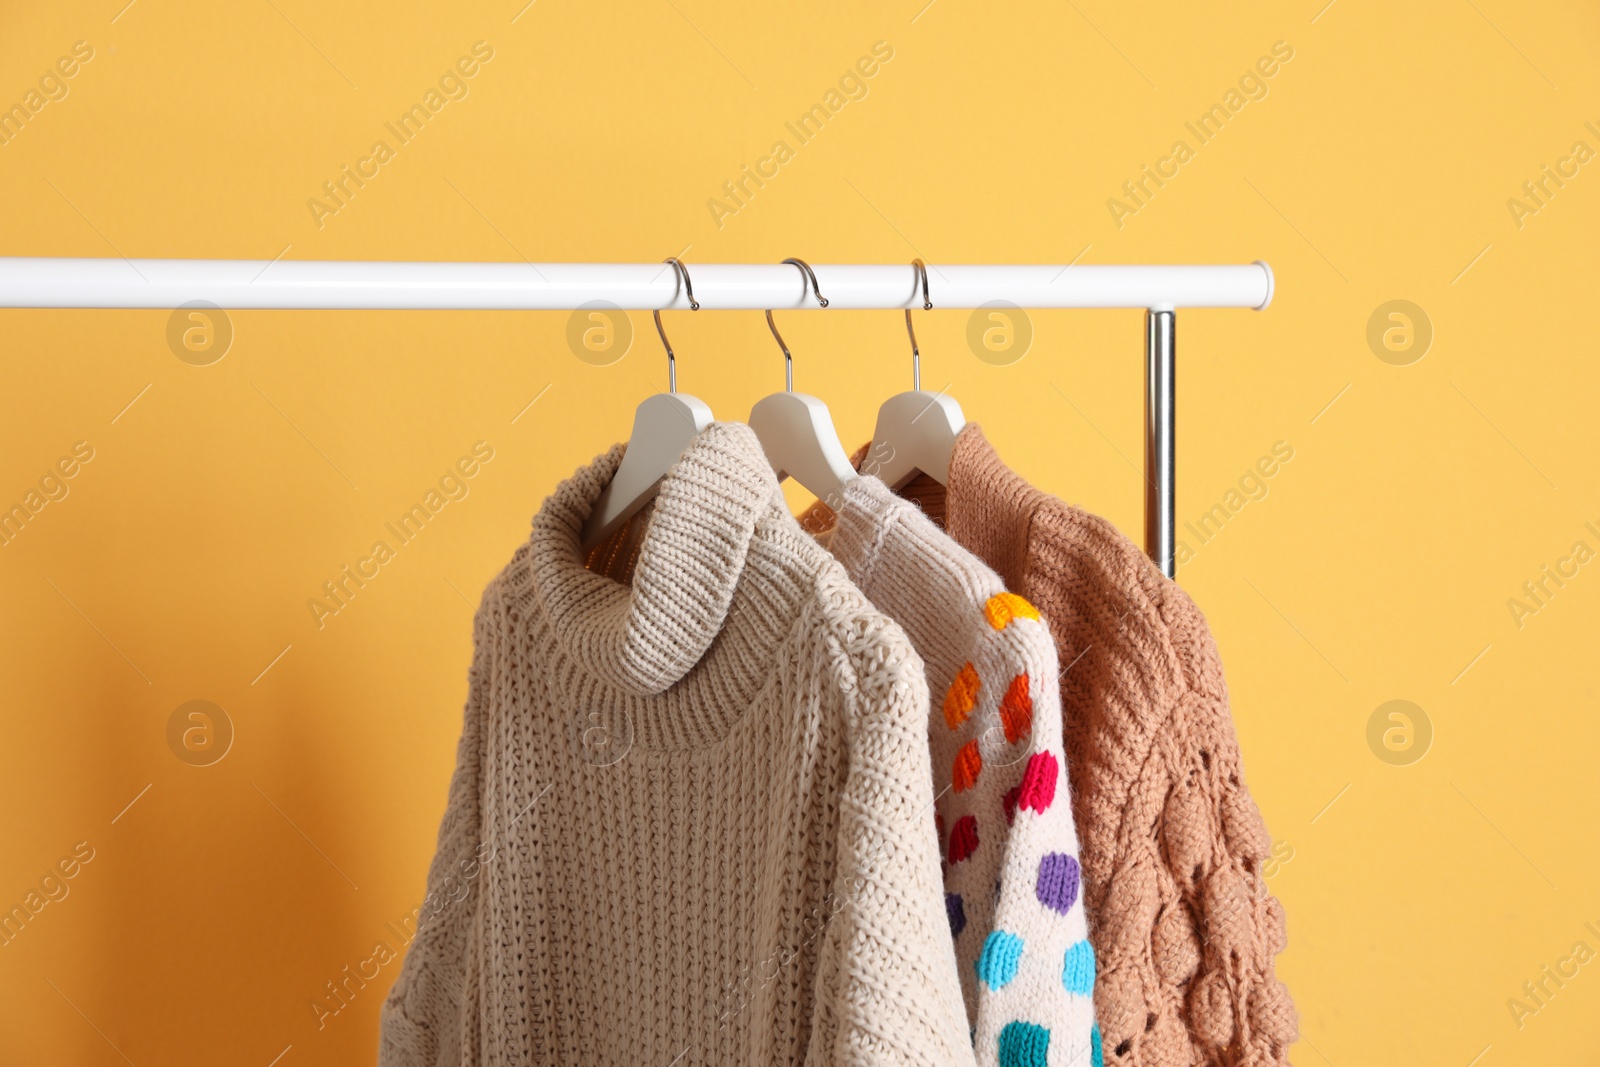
column 997, row 963
column 1011, row 797
column 1016, row 709
column 963, row 838
column 968, row 765
column 1097, row 1056
column 1038, row 787
column 957, row 913
column 1057, row 886
column 1077, row 972
column 1024, row 1045
column 962, row 695
column 1003, row 607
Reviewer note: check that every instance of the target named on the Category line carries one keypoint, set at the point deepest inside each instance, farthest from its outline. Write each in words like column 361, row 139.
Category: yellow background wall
column 1421, row 895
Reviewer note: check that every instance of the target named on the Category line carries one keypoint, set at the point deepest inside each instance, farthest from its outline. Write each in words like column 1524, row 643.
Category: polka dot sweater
column 1013, row 885
column 692, row 815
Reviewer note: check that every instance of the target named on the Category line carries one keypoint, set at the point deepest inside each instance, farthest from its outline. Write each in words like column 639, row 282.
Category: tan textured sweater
column 691, row 820
column 1183, row 927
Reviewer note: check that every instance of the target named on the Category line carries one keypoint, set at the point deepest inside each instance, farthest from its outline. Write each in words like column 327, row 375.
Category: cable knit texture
column 1183, row 927
column 691, row 819
column 1013, row 898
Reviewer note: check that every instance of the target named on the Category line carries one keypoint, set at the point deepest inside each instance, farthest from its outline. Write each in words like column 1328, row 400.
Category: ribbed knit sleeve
column 886, row 987
column 423, row 1021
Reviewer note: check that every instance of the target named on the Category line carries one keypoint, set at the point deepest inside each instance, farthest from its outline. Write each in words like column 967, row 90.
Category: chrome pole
column 1160, row 418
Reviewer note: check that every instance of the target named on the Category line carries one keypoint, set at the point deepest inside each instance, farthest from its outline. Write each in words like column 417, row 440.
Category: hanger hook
column 694, row 305
column 788, row 360
column 920, row 272
column 822, row 301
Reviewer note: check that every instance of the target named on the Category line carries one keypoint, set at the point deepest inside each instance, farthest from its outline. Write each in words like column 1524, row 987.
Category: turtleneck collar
column 644, row 637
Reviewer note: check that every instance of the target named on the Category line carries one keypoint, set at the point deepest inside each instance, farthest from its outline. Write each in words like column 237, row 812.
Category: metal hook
column 694, row 305
column 788, row 360
column 822, row 301
column 920, row 272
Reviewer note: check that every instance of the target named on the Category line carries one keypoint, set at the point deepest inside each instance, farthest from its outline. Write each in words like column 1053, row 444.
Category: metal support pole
column 1160, row 419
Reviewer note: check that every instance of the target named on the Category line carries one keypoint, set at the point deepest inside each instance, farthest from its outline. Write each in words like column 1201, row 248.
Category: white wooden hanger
column 663, row 426
column 916, row 431
column 796, row 431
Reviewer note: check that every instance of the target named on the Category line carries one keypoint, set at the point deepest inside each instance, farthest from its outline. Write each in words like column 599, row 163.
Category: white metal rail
column 246, row 284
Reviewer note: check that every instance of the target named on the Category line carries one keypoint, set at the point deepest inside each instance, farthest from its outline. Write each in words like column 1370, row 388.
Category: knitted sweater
column 1012, row 874
column 1183, row 927
column 691, row 820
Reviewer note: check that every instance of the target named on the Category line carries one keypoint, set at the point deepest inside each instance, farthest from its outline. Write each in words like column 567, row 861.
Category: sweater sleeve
column 1185, row 927
column 1014, row 873
column 886, row 987
column 426, row 1021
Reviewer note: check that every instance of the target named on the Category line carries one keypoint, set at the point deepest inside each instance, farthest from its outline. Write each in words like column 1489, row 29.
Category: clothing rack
column 297, row 284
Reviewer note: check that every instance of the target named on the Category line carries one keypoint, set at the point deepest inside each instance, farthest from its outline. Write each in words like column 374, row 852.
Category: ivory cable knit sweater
column 1012, row 878
column 1183, row 927
column 691, row 820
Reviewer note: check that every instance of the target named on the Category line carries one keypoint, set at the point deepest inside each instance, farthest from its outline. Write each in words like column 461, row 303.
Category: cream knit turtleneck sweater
column 692, row 817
